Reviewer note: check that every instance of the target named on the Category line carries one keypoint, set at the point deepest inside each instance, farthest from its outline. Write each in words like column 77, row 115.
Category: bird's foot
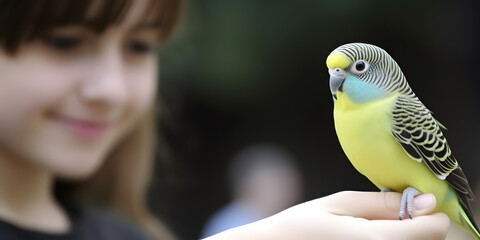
column 407, row 200
column 386, row 190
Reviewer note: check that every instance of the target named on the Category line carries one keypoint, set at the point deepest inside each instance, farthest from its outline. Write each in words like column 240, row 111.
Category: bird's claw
column 407, row 201
column 386, row 190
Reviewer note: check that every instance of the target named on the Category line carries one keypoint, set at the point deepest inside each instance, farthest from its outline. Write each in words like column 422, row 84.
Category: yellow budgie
column 391, row 137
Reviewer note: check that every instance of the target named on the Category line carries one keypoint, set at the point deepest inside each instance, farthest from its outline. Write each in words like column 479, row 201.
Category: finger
column 429, row 227
column 375, row 205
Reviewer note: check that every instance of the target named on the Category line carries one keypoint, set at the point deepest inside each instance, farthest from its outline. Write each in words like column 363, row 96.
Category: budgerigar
column 391, row 137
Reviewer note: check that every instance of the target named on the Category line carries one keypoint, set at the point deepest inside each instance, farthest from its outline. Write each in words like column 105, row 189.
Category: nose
column 105, row 79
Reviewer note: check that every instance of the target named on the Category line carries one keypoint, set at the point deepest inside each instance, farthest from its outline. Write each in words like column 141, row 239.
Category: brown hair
column 24, row 20
column 122, row 181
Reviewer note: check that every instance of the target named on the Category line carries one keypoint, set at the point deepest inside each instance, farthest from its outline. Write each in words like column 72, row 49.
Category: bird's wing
column 421, row 137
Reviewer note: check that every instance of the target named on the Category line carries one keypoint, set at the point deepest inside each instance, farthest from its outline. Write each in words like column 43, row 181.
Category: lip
column 90, row 129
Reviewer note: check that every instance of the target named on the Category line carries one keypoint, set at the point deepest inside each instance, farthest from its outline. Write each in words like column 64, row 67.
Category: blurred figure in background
column 264, row 180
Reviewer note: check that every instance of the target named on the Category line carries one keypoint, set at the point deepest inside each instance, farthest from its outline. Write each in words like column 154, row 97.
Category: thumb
column 375, row 205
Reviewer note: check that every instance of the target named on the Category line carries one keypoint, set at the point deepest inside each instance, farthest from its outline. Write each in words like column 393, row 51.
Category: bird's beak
column 337, row 77
column 336, row 62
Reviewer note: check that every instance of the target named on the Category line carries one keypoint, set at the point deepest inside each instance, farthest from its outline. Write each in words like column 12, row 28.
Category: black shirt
column 86, row 223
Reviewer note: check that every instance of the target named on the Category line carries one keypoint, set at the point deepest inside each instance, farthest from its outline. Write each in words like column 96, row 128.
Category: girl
column 76, row 103
column 77, row 91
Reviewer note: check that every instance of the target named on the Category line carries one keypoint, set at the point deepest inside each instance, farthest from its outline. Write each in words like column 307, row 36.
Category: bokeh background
column 245, row 71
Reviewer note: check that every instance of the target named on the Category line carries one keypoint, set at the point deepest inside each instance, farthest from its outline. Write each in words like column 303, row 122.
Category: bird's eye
column 360, row 67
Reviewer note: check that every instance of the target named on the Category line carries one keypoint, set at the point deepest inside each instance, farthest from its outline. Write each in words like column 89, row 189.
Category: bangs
column 24, row 20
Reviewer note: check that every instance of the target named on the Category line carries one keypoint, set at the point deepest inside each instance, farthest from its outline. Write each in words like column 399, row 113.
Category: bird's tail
column 468, row 225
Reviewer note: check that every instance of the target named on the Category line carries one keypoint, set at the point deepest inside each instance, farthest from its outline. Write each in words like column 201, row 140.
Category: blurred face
column 275, row 188
column 68, row 98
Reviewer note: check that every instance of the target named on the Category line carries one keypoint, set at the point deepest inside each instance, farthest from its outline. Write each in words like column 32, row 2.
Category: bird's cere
column 338, row 60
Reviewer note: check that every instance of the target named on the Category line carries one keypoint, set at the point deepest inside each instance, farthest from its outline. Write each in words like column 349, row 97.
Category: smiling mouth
column 89, row 129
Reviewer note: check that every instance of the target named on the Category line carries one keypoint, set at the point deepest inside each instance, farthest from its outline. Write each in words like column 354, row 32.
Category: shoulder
column 99, row 223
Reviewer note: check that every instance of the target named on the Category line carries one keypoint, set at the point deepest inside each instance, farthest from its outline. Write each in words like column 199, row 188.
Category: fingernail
column 423, row 201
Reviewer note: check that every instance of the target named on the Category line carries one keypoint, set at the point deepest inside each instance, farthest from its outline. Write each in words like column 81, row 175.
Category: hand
column 349, row 215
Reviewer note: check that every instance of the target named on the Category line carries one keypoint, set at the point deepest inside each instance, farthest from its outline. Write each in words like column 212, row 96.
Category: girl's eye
column 140, row 47
column 63, row 42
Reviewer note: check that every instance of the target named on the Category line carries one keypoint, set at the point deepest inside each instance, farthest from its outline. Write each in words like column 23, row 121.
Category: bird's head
column 364, row 72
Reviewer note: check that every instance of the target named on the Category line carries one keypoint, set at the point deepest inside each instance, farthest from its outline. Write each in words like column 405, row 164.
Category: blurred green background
column 245, row 71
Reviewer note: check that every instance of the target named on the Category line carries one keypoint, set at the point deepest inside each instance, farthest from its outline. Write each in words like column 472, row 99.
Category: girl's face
column 67, row 98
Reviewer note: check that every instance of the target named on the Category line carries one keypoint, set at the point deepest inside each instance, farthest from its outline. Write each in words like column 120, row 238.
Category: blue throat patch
column 360, row 91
